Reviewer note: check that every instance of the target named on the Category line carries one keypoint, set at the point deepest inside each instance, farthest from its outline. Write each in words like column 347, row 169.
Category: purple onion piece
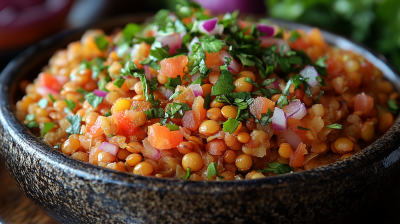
column 279, row 120
column 100, row 93
column 268, row 30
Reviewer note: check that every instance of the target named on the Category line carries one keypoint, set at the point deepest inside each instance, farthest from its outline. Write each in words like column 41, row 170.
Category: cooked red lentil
column 191, row 96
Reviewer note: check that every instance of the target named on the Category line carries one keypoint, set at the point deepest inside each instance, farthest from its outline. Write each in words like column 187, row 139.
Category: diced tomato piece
column 297, row 157
column 333, row 67
column 261, row 106
column 294, row 125
column 199, row 112
column 298, row 93
column 173, row 67
column 161, row 137
column 190, row 122
column 364, row 103
column 137, row 62
column 47, row 80
column 216, row 147
column 126, row 126
column 95, row 130
column 316, row 38
column 213, row 61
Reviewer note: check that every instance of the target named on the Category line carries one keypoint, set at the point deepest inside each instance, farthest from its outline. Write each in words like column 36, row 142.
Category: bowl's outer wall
column 76, row 192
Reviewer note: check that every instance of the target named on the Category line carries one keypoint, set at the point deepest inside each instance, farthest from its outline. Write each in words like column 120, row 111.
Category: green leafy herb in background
column 374, row 23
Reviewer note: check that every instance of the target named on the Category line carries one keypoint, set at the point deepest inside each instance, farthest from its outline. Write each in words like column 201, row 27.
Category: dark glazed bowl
column 75, row 192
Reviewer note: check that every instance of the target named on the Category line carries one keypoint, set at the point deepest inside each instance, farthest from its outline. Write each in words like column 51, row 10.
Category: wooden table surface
column 16, row 208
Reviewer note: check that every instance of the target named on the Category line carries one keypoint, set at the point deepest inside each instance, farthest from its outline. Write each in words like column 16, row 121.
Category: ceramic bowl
column 71, row 191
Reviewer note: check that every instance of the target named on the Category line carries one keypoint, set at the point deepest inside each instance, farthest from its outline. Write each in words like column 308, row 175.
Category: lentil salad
column 192, row 96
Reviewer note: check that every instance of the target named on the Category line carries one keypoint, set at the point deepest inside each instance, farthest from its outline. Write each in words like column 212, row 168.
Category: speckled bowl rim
column 89, row 171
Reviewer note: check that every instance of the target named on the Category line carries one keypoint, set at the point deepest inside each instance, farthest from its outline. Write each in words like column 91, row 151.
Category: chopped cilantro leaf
column 43, row 103
column 32, row 124
column 230, row 125
column 266, row 118
column 298, row 80
column 195, row 58
column 30, row 117
column 319, row 96
column 154, row 113
column 130, row 30
column 277, row 168
column 172, row 127
column 173, row 96
column 301, row 128
column 57, row 146
column 223, row 85
column 159, row 52
column 267, row 82
column 294, row 36
column 393, row 106
column 75, row 124
column 282, row 101
column 70, row 104
column 52, row 98
column 334, row 126
column 172, row 83
column 175, row 110
column 211, row 44
column 213, row 170
column 118, row 82
column 107, row 114
column 101, row 42
column 93, row 99
column 187, row 173
column 264, row 92
column 81, row 91
column 47, row 127
column 207, row 102
column 154, row 103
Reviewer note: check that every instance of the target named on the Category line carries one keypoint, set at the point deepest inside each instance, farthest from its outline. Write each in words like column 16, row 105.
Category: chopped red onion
column 301, row 113
column 149, row 151
column 108, row 147
column 279, row 120
column 211, row 27
column 61, row 79
column 147, row 72
column 172, row 16
column 194, row 40
column 295, row 109
column 291, row 138
column 45, row 91
column 311, row 73
column 282, row 44
column 196, row 89
column 233, row 66
column 268, row 30
column 165, row 91
column 173, row 41
column 100, row 93
column 274, row 85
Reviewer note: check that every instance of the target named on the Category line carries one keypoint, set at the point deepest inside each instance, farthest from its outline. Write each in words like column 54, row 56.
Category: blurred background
column 375, row 23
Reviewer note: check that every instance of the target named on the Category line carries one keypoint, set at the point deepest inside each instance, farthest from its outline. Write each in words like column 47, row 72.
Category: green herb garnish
column 101, row 42
column 334, row 126
column 230, row 125
column 93, row 99
column 43, row 103
column 75, row 124
column 277, row 168
column 212, row 170
column 47, row 127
